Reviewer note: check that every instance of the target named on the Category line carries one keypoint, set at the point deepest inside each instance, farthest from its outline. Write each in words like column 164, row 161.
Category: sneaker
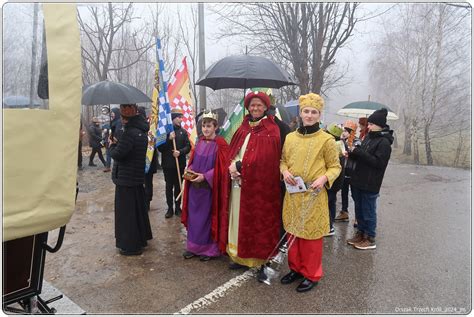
column 343, row 217
column 358, row 237
column 368, row 243
column 330, row 233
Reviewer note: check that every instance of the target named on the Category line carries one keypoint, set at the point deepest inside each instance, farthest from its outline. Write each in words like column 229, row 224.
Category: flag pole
column 177, row 165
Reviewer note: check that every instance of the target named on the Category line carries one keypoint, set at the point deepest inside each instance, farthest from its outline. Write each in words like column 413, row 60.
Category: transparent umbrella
column 360, row 109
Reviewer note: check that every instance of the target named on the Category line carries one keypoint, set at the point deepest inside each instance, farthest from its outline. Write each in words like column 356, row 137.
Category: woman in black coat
column 132, row 225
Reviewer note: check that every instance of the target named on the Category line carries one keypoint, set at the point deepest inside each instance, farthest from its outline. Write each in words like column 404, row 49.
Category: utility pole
column 34, row 46
column 202, row 58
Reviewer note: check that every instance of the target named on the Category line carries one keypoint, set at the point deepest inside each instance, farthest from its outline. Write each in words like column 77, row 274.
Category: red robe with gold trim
column 260, row 204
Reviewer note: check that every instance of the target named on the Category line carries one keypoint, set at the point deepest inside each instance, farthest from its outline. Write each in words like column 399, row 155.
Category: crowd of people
column 269, row 186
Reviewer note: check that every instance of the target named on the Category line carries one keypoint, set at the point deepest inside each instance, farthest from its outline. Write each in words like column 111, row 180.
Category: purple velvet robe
column 199, row 239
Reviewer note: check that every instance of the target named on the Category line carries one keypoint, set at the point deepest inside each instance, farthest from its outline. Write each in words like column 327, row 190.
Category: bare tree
column 103, row 49
column 188, row 28
column 422, row 65
column 303, row 37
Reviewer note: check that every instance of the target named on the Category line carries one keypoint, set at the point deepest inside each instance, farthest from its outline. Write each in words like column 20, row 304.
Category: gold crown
column 209, row 114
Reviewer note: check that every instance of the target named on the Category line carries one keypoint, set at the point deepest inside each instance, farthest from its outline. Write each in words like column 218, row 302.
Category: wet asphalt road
column 422, row 263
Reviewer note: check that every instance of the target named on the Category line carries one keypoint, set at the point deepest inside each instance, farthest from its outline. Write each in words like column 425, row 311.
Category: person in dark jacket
column 168, row 161
column 132, row 225
column 95, row 138
column 114, row 128
column 371, row 160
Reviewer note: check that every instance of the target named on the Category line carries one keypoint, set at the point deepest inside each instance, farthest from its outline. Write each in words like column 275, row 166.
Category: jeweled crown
column 209, row 114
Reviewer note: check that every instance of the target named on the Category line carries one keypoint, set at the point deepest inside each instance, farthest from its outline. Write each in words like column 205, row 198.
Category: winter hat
column 363, row 121
column 311, row 100
column 176, row 112
column 334, row 129
column 128, row 110
column 379, row 117
column 257, row 94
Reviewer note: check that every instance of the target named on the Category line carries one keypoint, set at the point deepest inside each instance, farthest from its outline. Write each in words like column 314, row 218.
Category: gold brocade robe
column 309, row 156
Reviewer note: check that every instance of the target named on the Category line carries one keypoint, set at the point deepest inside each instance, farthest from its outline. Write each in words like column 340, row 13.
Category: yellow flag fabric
column 40, row 146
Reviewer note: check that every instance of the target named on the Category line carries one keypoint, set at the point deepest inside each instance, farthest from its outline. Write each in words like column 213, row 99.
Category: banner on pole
column 180, row 95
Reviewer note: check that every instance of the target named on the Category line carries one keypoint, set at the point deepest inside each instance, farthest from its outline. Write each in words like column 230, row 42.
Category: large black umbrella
column 245, row 71
column 108, row 92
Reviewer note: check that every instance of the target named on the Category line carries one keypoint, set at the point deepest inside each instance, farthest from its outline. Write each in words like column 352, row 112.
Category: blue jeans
column 108, row 158
column 365, row 206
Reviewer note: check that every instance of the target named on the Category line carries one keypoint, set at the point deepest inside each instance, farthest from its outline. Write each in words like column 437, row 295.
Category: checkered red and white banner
column 180, row 95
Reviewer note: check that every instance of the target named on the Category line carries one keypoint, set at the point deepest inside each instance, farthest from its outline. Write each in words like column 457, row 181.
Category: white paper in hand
column 298, row 188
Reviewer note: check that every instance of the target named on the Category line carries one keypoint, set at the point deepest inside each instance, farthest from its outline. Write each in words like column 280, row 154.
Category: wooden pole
column 177, row 166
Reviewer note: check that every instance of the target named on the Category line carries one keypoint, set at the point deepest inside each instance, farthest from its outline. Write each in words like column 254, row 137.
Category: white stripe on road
column 219, row 292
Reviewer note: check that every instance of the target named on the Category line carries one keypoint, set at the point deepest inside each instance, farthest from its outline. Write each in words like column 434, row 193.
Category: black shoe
column 177, row 212
column 188, row 254
column 92, row 164
column 129, row 253
column 237, row 266
column 261, row 276
column 290, row 277
column 169, row 213
column 306, row 285
column 204, row 258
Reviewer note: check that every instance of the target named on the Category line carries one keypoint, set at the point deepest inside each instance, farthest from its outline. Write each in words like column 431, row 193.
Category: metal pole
column 202, row 58
column 33, row 52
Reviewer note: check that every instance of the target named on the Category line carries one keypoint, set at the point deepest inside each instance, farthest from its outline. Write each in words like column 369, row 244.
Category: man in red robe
column 254, row 199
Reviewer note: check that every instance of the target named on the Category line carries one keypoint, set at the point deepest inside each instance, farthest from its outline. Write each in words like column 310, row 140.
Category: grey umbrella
column 245, row 71
column 108, row 92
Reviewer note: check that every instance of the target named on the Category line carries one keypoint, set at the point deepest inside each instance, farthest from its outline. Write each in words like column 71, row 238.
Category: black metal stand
column 29, row 300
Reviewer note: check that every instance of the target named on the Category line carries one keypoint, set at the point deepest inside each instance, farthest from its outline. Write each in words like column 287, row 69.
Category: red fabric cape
column 260, row 205
column 220, row 185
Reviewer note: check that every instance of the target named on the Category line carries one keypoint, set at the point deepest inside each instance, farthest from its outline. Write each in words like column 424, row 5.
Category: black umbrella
column 108, row 92
column 245, row 71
